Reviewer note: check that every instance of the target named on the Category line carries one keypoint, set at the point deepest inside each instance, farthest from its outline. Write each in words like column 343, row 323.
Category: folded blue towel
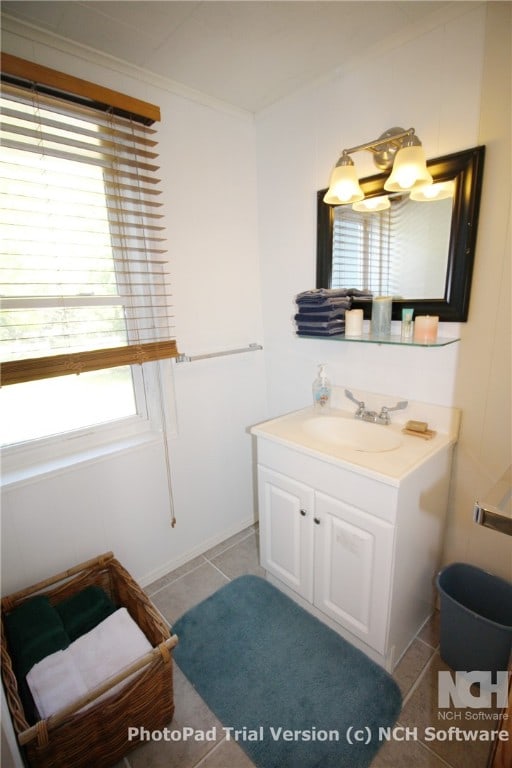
column 318, row 326
column 326, row 333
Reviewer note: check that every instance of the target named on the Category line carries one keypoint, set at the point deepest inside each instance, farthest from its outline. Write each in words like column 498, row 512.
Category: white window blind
column 83, row 272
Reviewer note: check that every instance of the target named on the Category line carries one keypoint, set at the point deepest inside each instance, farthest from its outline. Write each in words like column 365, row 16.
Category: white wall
column 443, row 83
column 207, row 161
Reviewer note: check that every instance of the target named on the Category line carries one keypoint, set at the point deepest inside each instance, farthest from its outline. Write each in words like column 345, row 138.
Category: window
column 362, row 256
column 83, row 268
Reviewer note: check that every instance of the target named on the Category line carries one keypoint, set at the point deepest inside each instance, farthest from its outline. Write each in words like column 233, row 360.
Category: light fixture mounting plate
column 384, row 154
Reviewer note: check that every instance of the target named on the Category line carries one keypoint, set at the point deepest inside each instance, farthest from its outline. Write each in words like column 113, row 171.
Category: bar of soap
column 417, row 426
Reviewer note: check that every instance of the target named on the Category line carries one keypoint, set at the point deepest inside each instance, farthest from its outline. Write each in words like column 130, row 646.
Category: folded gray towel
column 326, row 296
column 325, row 305
column 320, row 314
column 319, row 295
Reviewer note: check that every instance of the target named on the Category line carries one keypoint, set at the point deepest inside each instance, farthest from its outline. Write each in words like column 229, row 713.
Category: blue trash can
column 476, row 619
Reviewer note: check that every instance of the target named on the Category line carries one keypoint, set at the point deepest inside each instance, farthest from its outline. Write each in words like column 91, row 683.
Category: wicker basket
column 99, row 736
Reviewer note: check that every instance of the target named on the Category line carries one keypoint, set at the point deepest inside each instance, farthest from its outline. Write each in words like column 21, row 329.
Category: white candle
column 354, row 322
column 425, row 329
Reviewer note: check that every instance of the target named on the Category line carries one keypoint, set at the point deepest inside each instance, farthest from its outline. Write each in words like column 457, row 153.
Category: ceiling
column 246, row 53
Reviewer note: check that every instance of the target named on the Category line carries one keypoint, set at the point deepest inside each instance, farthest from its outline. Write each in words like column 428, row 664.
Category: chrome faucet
column 375, row 418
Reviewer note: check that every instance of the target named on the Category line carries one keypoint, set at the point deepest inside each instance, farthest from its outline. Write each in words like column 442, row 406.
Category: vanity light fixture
column 396, row 149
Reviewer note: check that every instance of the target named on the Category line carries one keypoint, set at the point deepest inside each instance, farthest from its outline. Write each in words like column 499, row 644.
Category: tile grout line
column 434, row 754
column 429, row 645
column 192, row 570
column 203, row 759
column 219, row 570
column 235, row 544
column 199, row 565
column 178, row 578
column 410, row 693
column 418, row 680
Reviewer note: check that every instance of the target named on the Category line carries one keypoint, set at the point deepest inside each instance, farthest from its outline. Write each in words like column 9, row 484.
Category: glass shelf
column 368, row 339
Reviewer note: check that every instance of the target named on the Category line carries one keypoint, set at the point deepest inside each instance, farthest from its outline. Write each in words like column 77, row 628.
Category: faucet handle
column 350, row 396
column 384, row 411
column 398, row 407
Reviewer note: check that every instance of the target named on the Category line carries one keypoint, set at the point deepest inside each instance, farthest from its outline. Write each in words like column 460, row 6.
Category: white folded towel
column 55, row 681
column 62, row 677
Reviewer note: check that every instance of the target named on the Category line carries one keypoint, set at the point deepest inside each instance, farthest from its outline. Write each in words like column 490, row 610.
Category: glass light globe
column 409, row 170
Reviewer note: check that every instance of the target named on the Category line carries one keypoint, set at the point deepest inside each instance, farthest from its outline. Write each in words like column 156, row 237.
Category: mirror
column 441, row 262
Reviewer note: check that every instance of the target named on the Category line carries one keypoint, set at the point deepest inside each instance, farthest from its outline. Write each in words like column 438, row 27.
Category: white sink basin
column 350, row 433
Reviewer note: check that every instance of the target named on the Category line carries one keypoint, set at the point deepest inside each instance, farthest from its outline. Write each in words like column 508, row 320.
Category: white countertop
column 389, row 465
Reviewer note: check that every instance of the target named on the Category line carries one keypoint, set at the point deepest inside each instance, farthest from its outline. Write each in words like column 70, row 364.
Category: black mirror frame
column 466, row 168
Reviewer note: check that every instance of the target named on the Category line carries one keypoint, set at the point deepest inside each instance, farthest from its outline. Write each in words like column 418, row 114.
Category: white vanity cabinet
column 332, row 554
column 356, row 548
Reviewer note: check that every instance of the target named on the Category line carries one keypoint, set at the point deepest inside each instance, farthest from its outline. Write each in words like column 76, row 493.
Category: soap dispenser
column 321, row 390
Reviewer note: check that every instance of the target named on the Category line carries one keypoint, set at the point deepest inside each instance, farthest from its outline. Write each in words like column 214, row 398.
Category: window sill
column 24, row 473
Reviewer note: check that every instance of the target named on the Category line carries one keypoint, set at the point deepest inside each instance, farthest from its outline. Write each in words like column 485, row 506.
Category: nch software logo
column 458, row 691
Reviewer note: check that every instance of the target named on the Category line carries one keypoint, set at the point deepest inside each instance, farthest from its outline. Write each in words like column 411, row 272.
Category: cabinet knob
column 303, row 512
column 317, row 521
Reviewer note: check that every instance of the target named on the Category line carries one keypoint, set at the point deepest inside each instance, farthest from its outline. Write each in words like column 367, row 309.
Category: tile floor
column 416, row 675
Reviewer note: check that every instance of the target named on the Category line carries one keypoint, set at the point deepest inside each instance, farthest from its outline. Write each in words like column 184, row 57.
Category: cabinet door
column 286, row 536
column 353, row 560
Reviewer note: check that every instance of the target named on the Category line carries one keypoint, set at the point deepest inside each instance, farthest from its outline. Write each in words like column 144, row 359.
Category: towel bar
column 189, row 359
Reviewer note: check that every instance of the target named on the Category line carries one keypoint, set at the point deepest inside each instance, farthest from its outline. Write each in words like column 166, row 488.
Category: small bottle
column 406, row 329
column 321, row 390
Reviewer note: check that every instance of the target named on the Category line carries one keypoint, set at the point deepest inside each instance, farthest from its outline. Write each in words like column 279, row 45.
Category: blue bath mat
column 290, row 691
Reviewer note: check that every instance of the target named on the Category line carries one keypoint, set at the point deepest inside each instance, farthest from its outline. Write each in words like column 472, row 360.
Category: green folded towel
column 34, row 630
column 84, row 610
